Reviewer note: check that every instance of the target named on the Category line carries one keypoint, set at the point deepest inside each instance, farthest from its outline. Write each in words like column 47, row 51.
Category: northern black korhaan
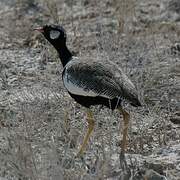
column 92, row 83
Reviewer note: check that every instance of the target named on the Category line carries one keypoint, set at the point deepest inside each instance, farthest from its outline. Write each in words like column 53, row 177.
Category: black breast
column 98, row 100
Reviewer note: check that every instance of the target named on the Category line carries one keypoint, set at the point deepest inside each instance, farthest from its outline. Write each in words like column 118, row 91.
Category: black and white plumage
column 92, row 83
column 98, row 84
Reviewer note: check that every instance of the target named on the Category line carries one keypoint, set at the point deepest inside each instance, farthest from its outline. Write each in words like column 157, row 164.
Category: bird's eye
column 54, row 34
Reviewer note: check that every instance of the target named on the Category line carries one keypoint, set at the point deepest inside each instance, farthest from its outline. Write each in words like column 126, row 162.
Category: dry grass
column 44, row 127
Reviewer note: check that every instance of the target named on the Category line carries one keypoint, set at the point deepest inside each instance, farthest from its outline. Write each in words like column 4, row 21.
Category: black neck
column 64, row 54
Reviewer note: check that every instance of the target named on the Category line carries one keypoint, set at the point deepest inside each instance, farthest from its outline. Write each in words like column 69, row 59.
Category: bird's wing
column 96, row 79
column 129, row 91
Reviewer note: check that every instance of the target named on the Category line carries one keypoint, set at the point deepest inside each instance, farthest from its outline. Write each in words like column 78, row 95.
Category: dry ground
column 42, row 127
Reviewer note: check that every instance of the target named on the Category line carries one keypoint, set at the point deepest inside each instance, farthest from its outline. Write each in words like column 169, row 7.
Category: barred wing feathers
column 96, row 79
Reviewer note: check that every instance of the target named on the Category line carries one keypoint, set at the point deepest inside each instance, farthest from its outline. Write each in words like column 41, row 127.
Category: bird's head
column 55, row 34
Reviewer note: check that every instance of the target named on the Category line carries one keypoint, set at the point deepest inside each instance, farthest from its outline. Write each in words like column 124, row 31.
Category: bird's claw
column 123, row 162
column 79, row 154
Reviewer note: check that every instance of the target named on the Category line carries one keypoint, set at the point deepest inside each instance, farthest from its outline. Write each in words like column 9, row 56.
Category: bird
column 92, row 83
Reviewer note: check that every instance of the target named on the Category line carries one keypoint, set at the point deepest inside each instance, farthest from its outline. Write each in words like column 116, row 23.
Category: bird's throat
column 64, row 54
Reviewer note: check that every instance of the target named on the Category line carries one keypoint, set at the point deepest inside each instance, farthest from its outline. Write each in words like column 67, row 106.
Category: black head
column 55, row 34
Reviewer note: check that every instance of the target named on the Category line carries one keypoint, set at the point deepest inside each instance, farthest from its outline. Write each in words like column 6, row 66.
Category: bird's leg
column 145, row 177
column 90, row 121
column 126, row 118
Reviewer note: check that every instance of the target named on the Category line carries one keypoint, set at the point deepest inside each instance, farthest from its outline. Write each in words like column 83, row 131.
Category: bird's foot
column 123, row 162
column 80, row 153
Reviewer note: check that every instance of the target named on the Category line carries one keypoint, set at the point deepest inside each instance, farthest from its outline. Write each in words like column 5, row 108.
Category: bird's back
column 94, row 79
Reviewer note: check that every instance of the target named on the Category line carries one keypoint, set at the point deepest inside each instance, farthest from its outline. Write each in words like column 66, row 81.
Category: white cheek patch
column 54, row 34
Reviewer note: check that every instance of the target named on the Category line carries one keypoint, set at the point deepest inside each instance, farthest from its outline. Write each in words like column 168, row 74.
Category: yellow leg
column 90, row 121
column 126, row 118
column 145, row 177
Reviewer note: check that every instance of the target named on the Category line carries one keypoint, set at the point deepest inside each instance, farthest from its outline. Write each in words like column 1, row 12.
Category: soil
column 41, row 127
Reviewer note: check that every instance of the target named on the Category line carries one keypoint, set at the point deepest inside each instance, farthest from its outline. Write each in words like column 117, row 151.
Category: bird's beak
column 40, row 29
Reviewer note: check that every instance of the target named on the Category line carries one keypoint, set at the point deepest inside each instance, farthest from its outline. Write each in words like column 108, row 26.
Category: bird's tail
column 135, row 102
